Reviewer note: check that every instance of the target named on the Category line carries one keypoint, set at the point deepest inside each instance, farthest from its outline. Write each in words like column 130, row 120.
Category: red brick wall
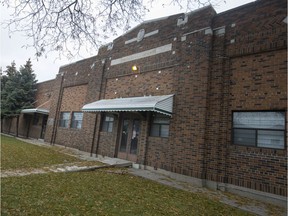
column 210, row 76
column 248, row 72
column 73, row 98
column 44, row 93
column 75, row 85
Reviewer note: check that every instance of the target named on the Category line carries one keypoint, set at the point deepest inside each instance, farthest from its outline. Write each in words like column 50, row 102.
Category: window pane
column 244, row 137
column 161, row 120
column 76, row 124
column 77, row 120
column 265, row 120
column 65, row 115
column 107, row 124
column 64, row 119
column 77, row 116
column 124, row 136
column 135, row 136
column 155, row 129
column 110, row 127
column 164, row 130
column 271, row 139
column 104, row 126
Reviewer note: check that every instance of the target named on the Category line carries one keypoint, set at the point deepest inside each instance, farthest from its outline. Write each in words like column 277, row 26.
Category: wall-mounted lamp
column 136, row 68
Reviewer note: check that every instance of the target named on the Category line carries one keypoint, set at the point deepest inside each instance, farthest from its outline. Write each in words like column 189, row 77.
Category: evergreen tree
column 7, row 87
column 18, row 91
column 27, row 84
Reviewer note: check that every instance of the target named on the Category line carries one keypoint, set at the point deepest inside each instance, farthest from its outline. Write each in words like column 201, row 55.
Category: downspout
column 228, row 113
column 224, row 110
column 208, row 87
column 94, row 133
column 146, row 140
column 98, row 139
column 54, row 130
column 97, row 115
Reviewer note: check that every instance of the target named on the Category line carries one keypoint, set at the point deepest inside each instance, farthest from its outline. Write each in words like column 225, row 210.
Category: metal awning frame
column 160, row 104
column 35, row 110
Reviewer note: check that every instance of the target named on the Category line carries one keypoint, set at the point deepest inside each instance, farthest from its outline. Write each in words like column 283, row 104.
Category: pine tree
column 27, row 84
column 7, row 87
column 18, row 92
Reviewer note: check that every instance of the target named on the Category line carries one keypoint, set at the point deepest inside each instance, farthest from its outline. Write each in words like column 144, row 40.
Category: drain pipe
column 93, row 138
column 97, row 115
column 147, row 135
column 54, row 130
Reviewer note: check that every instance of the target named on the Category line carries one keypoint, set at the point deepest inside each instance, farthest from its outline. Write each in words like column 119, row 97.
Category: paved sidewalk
column 249, row 205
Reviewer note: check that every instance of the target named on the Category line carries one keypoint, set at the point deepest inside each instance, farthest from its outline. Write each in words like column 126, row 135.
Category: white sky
column 11, row 49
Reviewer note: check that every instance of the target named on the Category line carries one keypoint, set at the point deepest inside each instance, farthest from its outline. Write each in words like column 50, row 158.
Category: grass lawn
column 17, row 154
column 102, row 192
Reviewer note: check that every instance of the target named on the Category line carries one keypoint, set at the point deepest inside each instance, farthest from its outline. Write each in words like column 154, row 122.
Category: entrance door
column 43, row 129
column 129, row 139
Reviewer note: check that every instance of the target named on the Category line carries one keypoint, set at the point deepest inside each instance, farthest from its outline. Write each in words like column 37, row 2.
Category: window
column 77, row 118
column 160, row 126
column 64, row 119
column 107, row 125
column 261, row 129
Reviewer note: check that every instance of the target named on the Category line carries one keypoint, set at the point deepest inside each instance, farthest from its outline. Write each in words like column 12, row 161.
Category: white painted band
column 144, row 54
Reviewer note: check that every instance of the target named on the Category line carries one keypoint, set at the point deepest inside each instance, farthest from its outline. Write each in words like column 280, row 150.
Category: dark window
column 160, row 126
column 76, row 121
column 107, row 125
column 261, row 129
column 64, row 119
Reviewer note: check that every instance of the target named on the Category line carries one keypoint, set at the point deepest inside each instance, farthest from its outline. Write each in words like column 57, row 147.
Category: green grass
column 101, row 193
column 16, row 154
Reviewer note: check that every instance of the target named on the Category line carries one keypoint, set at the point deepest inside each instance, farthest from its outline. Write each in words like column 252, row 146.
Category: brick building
column 207, row 99
column 32, row 122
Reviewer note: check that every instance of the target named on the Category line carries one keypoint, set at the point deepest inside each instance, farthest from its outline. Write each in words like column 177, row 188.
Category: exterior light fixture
column 135, row 68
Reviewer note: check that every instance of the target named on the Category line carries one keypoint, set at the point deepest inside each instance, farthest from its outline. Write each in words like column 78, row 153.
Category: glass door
column 129, row 139
column 124, row 136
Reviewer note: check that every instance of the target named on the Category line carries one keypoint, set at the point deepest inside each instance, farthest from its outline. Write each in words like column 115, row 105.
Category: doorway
column 129, row 139
column 44, row 124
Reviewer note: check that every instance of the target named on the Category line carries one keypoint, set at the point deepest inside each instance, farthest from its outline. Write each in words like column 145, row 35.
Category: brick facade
column 213, row 64
column 31, row 125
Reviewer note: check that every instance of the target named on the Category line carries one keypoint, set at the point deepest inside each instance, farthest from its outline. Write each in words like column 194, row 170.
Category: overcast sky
column 11, row 49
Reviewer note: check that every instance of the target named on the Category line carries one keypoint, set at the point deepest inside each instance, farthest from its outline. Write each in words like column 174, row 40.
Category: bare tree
column 66, row 25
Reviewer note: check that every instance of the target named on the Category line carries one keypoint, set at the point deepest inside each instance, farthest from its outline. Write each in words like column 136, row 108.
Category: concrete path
column 249, row 205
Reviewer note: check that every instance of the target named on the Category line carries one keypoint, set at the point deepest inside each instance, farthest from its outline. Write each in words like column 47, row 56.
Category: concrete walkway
column 249, row 205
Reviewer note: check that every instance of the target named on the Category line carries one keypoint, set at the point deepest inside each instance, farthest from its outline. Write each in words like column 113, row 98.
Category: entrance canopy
column 161, row 104
column 35, row 110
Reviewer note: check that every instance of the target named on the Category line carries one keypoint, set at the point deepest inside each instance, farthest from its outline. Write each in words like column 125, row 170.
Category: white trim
column 146, row 35
column 144, row 54
column 195, row 31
